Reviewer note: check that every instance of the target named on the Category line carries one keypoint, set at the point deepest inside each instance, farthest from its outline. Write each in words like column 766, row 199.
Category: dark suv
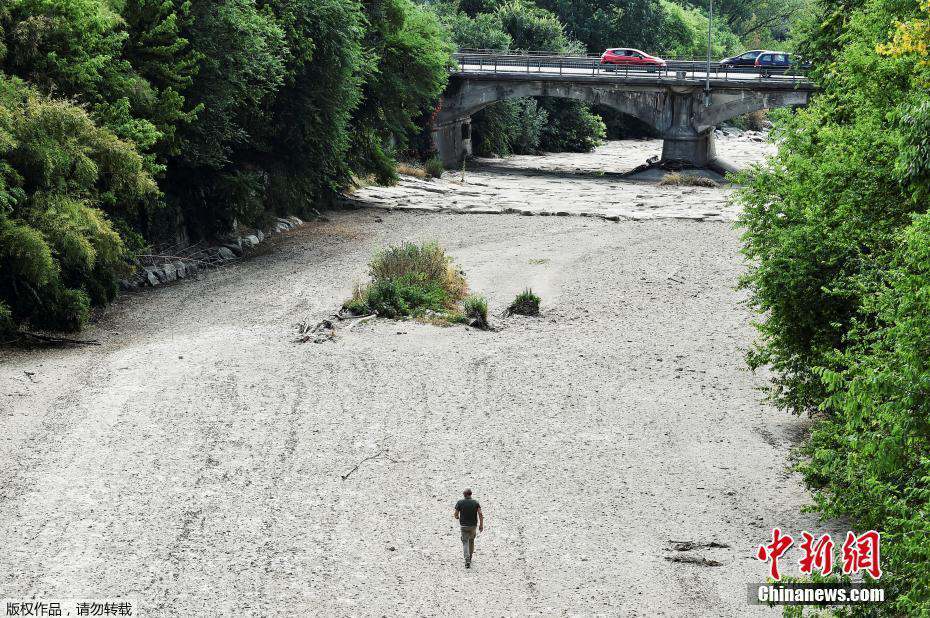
column 771, row 62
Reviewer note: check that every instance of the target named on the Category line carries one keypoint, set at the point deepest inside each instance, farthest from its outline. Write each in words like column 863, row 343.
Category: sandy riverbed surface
column 195, row 460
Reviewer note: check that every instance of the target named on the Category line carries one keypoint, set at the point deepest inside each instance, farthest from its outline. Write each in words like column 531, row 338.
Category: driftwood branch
column 361, row 320
column 325, row 329
column 58, row 340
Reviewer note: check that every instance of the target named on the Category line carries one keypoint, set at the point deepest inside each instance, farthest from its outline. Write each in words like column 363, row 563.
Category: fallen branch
column 325, row 323
column 58, row 340
column 690, row 545
column 697, row 560
column 369, row 458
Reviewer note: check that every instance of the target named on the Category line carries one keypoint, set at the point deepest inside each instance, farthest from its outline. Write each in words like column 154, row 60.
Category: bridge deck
column 589, row 70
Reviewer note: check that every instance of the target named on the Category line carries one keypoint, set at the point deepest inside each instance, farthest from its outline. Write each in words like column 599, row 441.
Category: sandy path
column 194, row 460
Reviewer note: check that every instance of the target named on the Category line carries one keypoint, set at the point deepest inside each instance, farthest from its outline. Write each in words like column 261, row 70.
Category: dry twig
column 369, row 458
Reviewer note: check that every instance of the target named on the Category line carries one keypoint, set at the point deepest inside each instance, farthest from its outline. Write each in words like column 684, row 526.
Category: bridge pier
column 682, row 143
column 453, row 141
column 694, row 150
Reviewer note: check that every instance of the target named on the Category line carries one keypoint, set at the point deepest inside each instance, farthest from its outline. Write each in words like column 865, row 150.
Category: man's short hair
column 466, row 493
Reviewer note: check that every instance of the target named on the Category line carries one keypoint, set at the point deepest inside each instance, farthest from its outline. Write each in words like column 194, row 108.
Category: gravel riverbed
column 195, row 459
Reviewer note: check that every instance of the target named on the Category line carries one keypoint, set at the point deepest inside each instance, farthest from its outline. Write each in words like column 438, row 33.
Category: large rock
column 181, row 269
column 226, row 253
column 260, row 235
column 252, row 238
column 170, row 273
column 151, row 277
column 235, row 247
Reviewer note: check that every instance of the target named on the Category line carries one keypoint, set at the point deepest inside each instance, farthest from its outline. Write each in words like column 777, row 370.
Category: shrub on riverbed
column 410, row 280
column 476, row 311
column 753, row 121
column 526, row 303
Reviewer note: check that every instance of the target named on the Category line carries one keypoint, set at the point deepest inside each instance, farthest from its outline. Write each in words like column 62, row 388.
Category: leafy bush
column 572, row 127
column 510, row 127
column 410, row 280
column 526, row 303
column 870, row 458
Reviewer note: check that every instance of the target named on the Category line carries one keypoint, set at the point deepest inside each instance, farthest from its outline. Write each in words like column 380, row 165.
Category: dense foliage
column 838, row 232
column 60, row 175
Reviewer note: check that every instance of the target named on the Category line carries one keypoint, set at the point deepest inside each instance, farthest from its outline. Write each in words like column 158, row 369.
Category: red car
column 612, row 58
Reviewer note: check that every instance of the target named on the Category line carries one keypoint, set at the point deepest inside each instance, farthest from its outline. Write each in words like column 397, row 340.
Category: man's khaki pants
column 468, row 541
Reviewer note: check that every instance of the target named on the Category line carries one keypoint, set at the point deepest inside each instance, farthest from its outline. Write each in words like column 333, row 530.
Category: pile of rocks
column 157, row 270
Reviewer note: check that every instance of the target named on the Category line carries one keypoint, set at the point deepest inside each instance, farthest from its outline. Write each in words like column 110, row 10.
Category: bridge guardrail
column 558, row 64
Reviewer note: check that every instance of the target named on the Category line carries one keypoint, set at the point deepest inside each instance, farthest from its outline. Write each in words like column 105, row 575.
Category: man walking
column 471, row 519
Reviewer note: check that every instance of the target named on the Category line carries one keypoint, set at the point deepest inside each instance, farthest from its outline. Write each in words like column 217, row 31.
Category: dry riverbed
column 593, row 185
column 196, row 459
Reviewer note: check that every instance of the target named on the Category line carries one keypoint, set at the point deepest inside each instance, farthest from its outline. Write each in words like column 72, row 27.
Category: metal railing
column 505, row 62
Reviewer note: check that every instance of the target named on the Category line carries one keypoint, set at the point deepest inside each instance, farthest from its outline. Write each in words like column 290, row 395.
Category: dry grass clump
column 686, row 180
column 409, row 169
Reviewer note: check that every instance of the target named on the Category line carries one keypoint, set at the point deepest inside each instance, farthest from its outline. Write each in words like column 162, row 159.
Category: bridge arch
column 468, row 99
column 725, row 106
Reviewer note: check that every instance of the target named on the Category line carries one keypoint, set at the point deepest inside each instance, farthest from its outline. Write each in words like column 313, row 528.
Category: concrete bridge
column 675, row 100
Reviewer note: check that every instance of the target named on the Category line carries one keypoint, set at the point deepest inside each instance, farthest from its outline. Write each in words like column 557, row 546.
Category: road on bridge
column 676, row 70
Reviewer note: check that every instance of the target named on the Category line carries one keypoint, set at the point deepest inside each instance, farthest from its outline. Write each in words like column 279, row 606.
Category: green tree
column 408, row 61
column 600, row 24
column 306, row 144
